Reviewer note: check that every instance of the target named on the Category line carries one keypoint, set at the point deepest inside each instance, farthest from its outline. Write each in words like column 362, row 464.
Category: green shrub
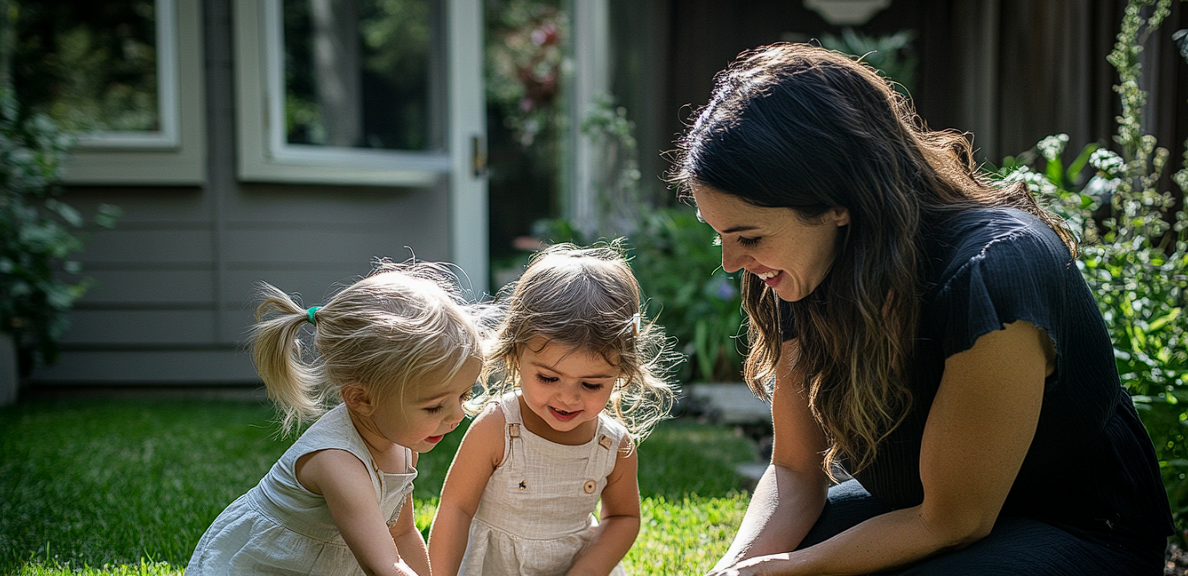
column 680, row 271
column 38, row 233
column 1133, row 251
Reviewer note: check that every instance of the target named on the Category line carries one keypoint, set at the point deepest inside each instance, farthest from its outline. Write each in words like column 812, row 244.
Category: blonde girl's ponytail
column 291, row 373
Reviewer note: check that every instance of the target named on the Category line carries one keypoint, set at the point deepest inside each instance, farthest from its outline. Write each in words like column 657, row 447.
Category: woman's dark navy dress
column 1088, row 498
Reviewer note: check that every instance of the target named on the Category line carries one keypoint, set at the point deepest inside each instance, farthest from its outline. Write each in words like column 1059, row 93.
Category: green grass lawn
column 127, row 488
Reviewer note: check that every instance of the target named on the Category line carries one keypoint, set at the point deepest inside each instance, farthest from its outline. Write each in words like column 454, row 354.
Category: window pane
column 358, row 73
column 90, row 65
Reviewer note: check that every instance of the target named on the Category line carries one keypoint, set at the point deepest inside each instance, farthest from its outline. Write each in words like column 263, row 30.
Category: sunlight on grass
column 144, row 568
column 684, row 537
column 126, row 488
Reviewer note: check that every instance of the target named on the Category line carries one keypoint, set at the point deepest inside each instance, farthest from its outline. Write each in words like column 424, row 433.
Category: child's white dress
column 279, row 527
column 536, row 511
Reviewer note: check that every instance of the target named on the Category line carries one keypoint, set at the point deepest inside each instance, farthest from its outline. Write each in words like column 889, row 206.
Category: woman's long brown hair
column 804, row 128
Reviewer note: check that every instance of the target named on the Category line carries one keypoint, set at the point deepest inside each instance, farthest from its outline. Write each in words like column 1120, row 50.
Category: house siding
column 174, row 279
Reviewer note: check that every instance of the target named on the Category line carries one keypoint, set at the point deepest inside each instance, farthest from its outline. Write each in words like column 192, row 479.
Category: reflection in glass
column 361, row 73
column 90, row 65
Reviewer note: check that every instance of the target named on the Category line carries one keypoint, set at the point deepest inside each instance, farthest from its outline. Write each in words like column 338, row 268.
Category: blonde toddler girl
column 402, row 354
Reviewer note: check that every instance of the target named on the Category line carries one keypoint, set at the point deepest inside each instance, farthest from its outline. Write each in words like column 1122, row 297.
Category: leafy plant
column 525, row 60
column 38, row 233
column 615, row 178
column 680, row 270
column 891, row 54
column 1133, row 251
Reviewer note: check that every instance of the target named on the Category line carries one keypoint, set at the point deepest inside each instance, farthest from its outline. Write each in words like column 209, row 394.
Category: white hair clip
column 635, row 319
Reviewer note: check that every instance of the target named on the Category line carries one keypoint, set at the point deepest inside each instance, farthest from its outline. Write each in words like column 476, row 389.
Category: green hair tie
column 309, row 314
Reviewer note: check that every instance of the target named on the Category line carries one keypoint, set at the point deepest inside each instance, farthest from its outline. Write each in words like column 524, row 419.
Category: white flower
column 1035, row 182
column 1106, row 161
column 1052, row 146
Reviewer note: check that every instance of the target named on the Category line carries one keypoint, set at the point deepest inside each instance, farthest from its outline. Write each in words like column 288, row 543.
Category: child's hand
column 409, row 541
column 404, row 569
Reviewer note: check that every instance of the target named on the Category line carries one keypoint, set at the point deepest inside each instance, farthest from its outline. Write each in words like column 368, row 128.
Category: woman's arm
column 619, row 524
column 791, row 494
column 477, row 457
column 979, row 428
column 342, row 479
column 408, row 539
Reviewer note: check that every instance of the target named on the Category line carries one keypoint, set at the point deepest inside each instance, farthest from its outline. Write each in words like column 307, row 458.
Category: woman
column 922, row 330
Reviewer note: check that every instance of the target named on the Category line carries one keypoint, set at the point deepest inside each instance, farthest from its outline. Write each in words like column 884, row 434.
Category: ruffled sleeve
column 1019, row 274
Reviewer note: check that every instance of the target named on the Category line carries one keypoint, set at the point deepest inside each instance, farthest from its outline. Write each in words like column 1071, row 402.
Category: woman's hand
column 979, row 428
column 791, row 494
column 770, row 565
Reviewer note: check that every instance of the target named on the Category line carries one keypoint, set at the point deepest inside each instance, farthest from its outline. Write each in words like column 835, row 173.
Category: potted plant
column 38, row 233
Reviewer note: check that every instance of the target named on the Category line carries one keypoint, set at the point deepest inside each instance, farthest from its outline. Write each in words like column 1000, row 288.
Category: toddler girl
column 580, row 380
column 402, row 354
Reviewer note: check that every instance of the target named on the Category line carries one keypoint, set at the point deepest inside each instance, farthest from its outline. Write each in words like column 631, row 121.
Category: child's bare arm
column 620, row 520
column 408, row 539
column 342, row 479
column 480, row 452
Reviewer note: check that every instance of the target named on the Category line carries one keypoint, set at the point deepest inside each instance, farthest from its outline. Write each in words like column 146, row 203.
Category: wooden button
column 589, row 486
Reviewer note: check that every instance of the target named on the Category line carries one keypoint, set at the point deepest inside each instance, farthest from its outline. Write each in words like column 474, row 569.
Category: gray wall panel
column 149, row 287
column 229, row 366
column 146, row 205
column 165, row 247
column 316, row 246
column 312, row 286
column 140, row 327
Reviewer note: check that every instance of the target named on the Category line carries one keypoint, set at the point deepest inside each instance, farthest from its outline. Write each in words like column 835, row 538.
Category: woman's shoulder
column 992, row 266
column 991, row 224
column 1003, row 240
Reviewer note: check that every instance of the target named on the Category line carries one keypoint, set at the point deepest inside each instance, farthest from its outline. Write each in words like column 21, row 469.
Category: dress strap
column 513, row 432
column 601, row 458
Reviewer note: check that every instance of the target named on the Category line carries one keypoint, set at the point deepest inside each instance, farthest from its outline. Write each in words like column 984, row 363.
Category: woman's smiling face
column 790, row 254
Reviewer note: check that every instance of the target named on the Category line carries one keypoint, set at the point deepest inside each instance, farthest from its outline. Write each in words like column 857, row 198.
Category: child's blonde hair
column 400, row 324
column 588, row 298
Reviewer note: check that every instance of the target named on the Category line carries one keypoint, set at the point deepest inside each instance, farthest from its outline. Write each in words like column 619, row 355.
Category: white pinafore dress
column 536, row 511
column 279, row 527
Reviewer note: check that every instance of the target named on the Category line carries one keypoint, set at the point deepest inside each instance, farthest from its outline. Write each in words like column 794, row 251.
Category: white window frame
column 175, row 154
column 264, row 153
column 263, row 157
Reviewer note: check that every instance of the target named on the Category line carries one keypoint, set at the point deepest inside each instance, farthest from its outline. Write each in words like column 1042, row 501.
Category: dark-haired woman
column 919, row 328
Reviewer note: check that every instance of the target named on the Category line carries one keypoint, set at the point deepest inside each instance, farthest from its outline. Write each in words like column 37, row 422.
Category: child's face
column 421, row 421
column 566, row 388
